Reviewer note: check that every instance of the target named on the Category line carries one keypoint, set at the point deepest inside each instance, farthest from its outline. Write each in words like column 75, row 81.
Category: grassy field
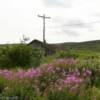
column 72, row 73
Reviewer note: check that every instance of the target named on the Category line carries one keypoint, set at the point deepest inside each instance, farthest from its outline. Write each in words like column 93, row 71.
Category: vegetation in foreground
column 62, row 79
column 70, row 74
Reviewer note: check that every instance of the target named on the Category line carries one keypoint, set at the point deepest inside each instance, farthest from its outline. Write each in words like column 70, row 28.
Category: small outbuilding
column 47, row 49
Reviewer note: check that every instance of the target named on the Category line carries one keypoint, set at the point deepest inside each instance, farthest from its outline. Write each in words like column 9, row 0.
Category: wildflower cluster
column 53, row 76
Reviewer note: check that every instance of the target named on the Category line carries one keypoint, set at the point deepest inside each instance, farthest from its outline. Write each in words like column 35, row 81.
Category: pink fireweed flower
column 89, row 72
column 6, row 74
column 50, row 68
column 46, row 68
column 72, row 79
column 31, row 73
column 20, row 73
column 77, row 73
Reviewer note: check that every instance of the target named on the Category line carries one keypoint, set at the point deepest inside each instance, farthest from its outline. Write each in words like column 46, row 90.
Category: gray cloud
column 71, row 33
column 72, row 27
column 77, row 24
column 57, row 3
column 74, row 23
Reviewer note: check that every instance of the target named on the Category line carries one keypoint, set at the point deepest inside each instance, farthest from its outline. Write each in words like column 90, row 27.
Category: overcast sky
column 71, row 20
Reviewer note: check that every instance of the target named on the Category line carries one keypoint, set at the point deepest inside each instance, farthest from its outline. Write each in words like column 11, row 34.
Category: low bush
column 20, row 55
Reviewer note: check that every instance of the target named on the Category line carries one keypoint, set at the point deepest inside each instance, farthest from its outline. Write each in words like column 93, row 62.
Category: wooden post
column 44, row 17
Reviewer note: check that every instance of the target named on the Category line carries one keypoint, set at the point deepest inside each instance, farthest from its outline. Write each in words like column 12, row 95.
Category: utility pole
column 44, row 17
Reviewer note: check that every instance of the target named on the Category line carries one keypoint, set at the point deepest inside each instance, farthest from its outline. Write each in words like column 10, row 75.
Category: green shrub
column 20, row 55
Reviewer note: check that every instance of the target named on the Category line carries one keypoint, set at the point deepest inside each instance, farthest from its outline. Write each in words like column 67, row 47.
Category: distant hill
column 90, row 45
